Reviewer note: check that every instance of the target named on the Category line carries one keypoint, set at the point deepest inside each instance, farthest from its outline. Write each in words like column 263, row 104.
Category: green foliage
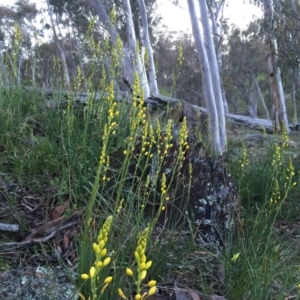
column 260, row 259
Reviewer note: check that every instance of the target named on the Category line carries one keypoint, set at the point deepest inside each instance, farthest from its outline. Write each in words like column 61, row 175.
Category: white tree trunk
column 152, row 72
column 252, row 103
column 282, row 99
column 206, row 80
column 261, row 97
column 60, row 48
column 295, row 117
column 214, row 72
column 216, row 16
column 135, row 56
column 279, row 109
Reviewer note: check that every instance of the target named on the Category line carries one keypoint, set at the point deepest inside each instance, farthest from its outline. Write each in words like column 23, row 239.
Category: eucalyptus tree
column 133, row 50
column 60, row 46
column 210, row 76
column 131, row 26
column 279, row 114
column 17, row 33
column 216, row 11
column 148, row 46
column 287, row 31
column 246, row 66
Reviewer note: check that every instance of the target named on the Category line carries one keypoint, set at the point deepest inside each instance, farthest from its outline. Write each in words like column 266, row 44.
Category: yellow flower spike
column 92, row 272
column 152, row 291
column 151, row 283
column 121, row 294
column 85, row 276
column 108, row 280
column 106, row 261
column 129, row 272
column 148, row 264
column 143, row 274
column 99, row 264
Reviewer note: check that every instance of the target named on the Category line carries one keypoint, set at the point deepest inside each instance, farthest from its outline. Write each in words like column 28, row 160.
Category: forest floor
column 49, row 227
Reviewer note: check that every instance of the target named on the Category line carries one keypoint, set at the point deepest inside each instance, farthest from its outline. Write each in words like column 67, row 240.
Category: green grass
column 99, row 158
column 70, row 148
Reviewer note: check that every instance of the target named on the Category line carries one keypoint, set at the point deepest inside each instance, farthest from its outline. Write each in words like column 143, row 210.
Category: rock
column 37, row 284
column 204, row 195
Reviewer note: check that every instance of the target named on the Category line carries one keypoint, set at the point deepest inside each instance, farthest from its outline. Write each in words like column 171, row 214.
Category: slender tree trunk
column 261, row 96
column 214, row 72
column 252, row 102
column 130, row 53
column 279, row 111
column 135, row 56
column 60, row 48
column 152, row 72
column 33, row 69
column 206, row 80
column 295, row 117
column 216, row 16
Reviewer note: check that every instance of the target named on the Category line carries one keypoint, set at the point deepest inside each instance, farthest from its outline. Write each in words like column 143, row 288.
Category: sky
column 177, row 17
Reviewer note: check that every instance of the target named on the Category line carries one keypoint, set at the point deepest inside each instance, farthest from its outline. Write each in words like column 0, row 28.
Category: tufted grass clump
column 261, row 263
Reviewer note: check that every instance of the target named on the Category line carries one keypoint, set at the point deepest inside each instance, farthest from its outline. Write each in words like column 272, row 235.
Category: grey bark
column 206, row 80
column 216, row 16
column 279, row 110
column 214, row 72
column 60, row 48
column 261, row 96
column 152, row 72
column 132, row 44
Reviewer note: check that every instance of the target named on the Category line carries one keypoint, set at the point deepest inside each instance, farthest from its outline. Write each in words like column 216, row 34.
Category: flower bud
column 129, row 272
column 85, row 276
column 92, row 272
column 138, row 297
column 106, row 261
column 108, row 280
column 151, row 283
column 152, row 291
column 143, row 274
column 95, row 248
column 103, row 252
column 121, row 294
column 148, row 264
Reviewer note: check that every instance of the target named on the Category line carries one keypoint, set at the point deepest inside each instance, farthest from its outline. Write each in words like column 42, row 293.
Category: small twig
column 39, row 240
column 9, row 227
